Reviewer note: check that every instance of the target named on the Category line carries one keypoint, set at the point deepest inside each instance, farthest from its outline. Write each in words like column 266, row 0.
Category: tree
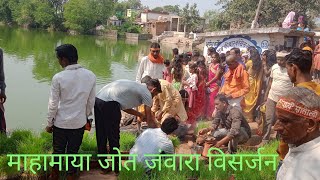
column 103, row 10
column 214, row 20
column 273, row 11
column 79, row 15
column 168, row 8
column 22, row 12
column 44, row 13
column 5, row 11
column 134, row 4
column 172, row 9
column 158, row 9
column 190, row 17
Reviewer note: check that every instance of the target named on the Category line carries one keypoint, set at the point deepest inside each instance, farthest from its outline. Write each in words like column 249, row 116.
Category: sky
column 203, row 5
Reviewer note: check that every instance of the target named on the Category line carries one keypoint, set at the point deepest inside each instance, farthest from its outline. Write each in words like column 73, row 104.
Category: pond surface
column 30, row 63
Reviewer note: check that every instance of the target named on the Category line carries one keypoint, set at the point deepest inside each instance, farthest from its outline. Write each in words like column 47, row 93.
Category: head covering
column 288, row 20
column 282, row 54
column 292, row 106
column 302, row 102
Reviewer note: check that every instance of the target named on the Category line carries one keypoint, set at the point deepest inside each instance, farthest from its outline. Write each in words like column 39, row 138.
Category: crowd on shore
column 230, row 89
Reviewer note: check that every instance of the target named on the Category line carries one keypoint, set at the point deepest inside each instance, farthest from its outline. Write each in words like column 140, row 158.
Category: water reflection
column 30, row 64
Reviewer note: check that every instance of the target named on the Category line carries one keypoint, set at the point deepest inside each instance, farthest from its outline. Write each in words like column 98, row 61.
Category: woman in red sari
column 201, row 95
column 212, row 83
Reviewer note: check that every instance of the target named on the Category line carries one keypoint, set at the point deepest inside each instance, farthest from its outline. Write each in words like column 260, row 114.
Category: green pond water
column 30, row 63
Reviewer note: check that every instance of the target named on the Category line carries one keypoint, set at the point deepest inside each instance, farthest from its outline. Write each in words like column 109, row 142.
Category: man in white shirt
column 70, row 103
column 279, row 85
column 110, row 100
column 298, row 122
column 151, row 65
column 155, row 141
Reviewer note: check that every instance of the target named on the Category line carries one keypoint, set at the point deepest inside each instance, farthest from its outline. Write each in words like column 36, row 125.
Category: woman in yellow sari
column 254, row 69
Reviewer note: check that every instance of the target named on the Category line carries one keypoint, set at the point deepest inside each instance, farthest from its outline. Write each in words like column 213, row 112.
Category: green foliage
column 5, row 170
column 128, row 27
column 168, row 8
column 5, row 11
column 46, row 139
column 202, row 125
column 172, row 9
column 22, row 12
column 7, row 145
column 79, row 15
column 203, row 174
column 89, row 145
column 242, row 12
column 43, row 13
column 190, row 17
column 214, row 19
column 158, row 9
column 103, row 10
column 175, row 141
column 20, row 135
column 127, row 141
column 138, row 174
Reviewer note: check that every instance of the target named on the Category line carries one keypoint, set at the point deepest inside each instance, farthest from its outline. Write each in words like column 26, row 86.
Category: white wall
column 145, row 17
column 261, row 42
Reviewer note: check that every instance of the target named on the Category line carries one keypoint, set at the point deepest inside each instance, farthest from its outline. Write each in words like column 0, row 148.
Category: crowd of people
column 231, row 89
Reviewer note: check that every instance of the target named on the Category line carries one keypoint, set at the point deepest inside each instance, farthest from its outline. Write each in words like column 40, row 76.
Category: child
column 191, row 84
column 184, row 96
column 167, row 72
column 191, row 87
column 177, row 74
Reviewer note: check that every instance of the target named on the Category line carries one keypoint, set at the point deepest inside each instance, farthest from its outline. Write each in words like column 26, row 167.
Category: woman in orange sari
column 254, row 69
column 316, row 63
column 212, row 83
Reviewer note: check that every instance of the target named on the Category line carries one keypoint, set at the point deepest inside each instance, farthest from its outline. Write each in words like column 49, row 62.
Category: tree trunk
column 258, row 12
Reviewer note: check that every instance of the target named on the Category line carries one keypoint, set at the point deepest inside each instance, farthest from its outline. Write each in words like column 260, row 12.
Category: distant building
column 156, row 23
column 262, row 38
column 132, row 12
column 114, row 21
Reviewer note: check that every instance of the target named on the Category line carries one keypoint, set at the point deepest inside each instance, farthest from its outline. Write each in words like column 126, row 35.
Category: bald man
column 236, row 83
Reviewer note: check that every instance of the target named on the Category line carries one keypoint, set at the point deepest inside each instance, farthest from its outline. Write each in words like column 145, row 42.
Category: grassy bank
column 267, row 172
column 28, row 142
